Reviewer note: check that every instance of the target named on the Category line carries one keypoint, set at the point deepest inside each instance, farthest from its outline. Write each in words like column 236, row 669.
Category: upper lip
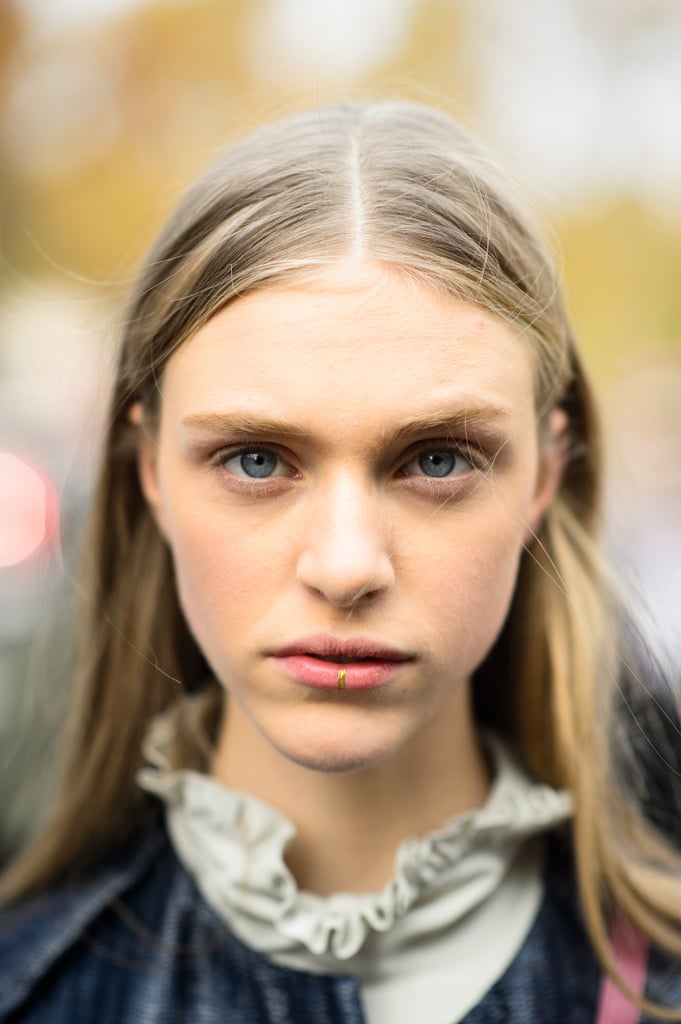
column 326, row 646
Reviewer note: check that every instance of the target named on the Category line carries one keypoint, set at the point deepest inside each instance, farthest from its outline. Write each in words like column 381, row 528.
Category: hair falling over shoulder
column 404, row 185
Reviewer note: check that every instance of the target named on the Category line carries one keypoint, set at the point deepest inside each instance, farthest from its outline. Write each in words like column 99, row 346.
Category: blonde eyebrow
column 243, row 423
column 479, row 417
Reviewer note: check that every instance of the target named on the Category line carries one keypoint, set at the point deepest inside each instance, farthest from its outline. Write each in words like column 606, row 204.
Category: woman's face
column 346, row 472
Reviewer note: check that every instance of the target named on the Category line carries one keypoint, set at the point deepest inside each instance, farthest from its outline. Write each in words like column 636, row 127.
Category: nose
column 345, row 553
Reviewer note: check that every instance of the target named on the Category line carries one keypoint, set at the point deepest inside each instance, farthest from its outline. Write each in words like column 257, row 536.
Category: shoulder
column 555, row 975
column 663, row 983
column 135, row 941
column 45, row 930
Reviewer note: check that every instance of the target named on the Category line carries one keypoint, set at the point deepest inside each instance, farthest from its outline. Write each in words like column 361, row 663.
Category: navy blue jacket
column 136, row 944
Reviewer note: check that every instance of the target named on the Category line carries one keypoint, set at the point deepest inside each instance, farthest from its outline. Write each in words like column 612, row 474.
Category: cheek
column 222, row 569
column 471, row 590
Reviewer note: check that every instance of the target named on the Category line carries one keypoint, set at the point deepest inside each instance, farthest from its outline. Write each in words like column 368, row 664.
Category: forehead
column 357, row 340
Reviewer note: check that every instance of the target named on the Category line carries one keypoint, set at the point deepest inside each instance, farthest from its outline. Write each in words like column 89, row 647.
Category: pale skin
column 347, row 393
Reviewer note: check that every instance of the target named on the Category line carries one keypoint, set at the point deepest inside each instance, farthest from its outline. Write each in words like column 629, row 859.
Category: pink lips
column 318, row 660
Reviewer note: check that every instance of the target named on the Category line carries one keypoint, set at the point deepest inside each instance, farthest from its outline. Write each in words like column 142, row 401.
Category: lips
column 318, row 661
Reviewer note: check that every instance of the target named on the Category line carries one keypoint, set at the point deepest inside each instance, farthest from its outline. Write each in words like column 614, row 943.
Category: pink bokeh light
column 28, row 510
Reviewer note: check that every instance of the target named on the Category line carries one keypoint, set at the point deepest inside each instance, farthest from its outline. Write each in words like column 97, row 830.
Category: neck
column 349, row 824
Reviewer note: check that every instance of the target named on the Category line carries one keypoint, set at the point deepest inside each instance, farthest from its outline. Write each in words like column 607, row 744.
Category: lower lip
column 324, row 675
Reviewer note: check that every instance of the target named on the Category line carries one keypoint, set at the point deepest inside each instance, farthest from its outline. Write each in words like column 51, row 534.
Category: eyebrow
column 242, row 423
column 479, row 417
column 476, row 417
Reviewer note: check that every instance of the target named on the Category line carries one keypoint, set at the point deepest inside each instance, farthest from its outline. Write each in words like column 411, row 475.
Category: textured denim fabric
column 136, row 944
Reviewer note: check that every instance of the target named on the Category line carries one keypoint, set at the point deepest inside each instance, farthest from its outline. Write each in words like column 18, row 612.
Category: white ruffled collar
column 234, row 845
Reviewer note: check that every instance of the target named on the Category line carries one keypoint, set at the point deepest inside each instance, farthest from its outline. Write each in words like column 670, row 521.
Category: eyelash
column 477, row 459
column 472, row 455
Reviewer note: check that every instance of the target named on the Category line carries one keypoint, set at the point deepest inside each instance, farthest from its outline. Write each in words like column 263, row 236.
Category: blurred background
column 108, row 108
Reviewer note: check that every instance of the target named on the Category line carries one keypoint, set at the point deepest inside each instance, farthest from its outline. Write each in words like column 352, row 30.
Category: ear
column 147, row 464
column 552, row 459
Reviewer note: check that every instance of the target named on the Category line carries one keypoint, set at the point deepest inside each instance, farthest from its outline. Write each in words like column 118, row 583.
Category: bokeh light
column 28, row 510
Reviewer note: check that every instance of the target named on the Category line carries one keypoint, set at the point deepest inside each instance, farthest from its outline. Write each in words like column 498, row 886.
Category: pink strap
column 630, row 950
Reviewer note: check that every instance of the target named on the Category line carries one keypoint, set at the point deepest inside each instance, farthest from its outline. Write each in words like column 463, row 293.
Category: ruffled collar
column 234, row 844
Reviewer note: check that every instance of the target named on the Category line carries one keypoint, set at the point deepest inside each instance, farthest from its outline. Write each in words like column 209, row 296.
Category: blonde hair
column 404, row 185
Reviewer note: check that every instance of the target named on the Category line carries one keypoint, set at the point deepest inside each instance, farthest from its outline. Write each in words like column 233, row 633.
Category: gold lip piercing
column 341, row 678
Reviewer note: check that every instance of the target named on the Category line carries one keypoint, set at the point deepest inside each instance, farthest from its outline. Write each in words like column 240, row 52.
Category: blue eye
column 438, row 463
column 258, row 465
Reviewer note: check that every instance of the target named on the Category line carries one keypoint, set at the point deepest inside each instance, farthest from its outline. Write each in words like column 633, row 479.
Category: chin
column 335, row 762
column 336, row 754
